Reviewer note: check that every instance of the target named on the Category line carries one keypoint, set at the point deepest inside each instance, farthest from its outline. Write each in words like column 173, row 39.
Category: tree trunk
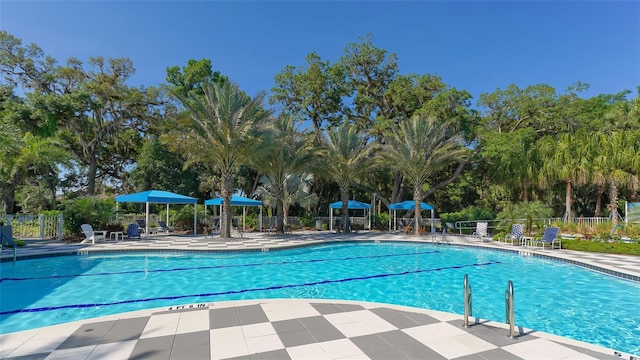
column 525, row 191
column 344, row 195
column 613, row 201
column 226, row 188
column 91, row 177
column 8, row 201
column 417, row 198
column 567, row 202
column 598, row 211
column 280, row 210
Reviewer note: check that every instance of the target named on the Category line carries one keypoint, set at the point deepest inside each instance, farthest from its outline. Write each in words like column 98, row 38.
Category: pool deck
column 297, row 328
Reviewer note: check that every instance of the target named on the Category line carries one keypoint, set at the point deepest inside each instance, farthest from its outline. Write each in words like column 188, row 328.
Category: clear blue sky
column 478, row 46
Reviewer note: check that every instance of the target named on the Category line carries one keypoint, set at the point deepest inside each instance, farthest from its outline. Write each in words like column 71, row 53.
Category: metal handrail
column 468, row 310
column 508, row 296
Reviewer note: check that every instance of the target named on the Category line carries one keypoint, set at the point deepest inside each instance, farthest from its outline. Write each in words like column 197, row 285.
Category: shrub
column 86, row 210
column 306, row 220
column 380, row 221
column 532, row 213
column 467, row 214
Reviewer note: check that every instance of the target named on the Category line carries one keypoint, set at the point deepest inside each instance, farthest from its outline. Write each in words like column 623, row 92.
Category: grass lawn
column 602, row 247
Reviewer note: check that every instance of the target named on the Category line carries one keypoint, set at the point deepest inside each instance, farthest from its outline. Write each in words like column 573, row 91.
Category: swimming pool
column 549, row 296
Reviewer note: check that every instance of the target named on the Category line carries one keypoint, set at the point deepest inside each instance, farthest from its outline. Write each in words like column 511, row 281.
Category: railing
column 469, row 226
column 35, row 226
column 508, row 297
column 467, row 301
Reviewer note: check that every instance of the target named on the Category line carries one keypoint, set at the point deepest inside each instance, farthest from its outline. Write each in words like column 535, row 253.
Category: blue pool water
column 549, row 296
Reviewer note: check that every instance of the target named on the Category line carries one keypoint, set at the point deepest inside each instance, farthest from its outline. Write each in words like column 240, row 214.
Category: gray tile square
column 126, row 329
column 326, row 308
column 376, row 348
column 192, row 339
column 29, row 357
column 349, row 307
column 321, row 329
column 595, row 354
column 295, row 338
column 153, row 348
column 193, row 352
column 87, row 334
column 287, row 325
column 493, row 354
column 404, row 319
column 410, row 347
column 495, row 336
column 251, row 314
column 244, row 357
column 222, row 318
column 281, row 354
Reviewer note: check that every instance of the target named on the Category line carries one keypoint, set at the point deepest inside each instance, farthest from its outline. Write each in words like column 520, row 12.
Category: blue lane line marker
column 275, row 287
column 218, row 266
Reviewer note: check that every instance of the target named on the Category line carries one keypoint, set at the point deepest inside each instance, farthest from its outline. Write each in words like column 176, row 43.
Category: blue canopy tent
column 237, row 200
column 158, row 197
column 411, row 205
column 351, row 204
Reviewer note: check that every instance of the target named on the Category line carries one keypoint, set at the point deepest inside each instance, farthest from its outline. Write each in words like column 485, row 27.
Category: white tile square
column 307, row 352
column 357, row 323
column 161, row 325
column 543, row 349
column 436, row 331
column 460, row 345
column 73, row 353
column 117, row 350
column 256, row 330
column 275, row 311
column 192, row 321
column 341, row 348
column 264, row 343
column 228, row 342
column 37, row 345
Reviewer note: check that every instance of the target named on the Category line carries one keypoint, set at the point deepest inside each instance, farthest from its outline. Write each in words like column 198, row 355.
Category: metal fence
column 31, row 227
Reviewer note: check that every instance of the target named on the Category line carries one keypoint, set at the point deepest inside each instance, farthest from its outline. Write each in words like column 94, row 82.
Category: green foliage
column 182, row 217
column 532, row 213
column 467, row 214
column 380, row 221
column 87, row 210
column 602, row 247
column 306, row 220
column 19, row 242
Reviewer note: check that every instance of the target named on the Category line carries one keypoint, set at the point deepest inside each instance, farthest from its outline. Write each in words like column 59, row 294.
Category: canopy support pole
column 195, row 218
column 167, row 221
column 330, row 218
column 260, row 218
column 146, row 219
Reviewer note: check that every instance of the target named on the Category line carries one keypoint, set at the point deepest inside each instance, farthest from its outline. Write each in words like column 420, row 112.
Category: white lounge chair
column 92, row 235
column 481, row 231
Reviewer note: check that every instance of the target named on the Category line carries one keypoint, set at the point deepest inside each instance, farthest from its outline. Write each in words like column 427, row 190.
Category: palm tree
column 288, row 151
column 222, row 133
column 24, row 155
column 563, row 159
column 348, row 154
column 420, row 147
column 296, row 189
column 617, row 163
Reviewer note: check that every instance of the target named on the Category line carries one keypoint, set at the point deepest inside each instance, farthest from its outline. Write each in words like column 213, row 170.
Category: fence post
column 41, row 218
column 59, row 226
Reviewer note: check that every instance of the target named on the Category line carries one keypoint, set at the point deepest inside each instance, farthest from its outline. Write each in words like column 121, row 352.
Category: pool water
column 550, row 296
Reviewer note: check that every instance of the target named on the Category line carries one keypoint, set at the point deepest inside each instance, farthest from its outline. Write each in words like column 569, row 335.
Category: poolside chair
column 481, row 231
column 163, row 226
column 92, row 235
column 234, row 226
column 517, row 231
column 132, row 231
column 142, row 226
column 550, row 237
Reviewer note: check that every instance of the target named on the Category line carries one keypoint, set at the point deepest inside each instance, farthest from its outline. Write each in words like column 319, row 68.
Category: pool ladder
column 468, row 310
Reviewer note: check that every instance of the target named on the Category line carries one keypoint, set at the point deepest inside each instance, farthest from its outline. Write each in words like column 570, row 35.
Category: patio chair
column 163, row 226
column 91, row 235
column 550, row 237
column 234, row 226
column 481, row 231
column 132, row 231
column 517, row 231
column 142, row 226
